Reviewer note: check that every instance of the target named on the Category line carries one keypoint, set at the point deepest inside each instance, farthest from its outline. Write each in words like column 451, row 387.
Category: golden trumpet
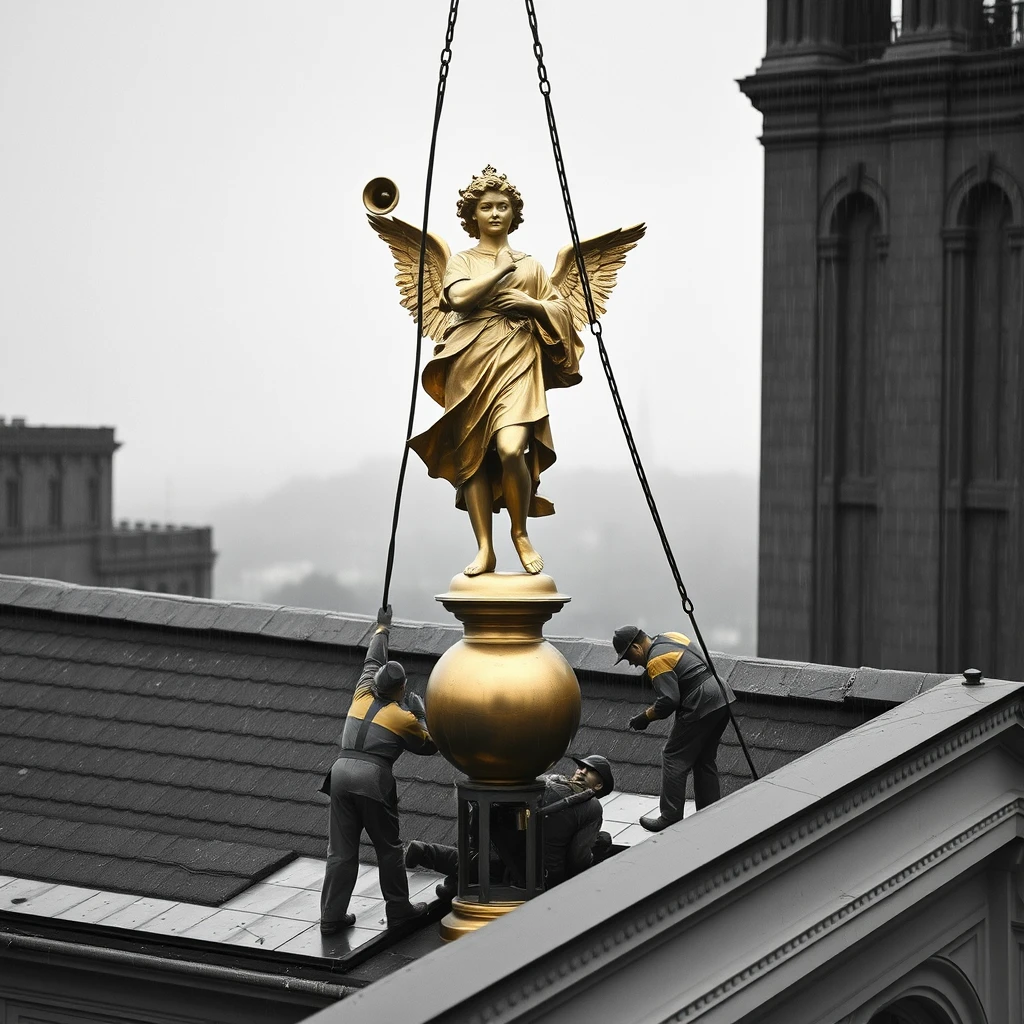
column 380, row 196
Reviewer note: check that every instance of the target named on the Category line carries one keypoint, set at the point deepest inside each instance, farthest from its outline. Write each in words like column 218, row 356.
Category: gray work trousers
column 691, row 746
column 351, row 814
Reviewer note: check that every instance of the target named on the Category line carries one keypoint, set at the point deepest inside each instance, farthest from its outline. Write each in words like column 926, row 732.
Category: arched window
column 851, row 258
column 935, row 992
column 912, row 1011
column 982, row 528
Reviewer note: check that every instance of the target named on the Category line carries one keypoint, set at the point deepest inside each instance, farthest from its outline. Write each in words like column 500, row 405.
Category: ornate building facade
column 56, row 518
column 892, row 438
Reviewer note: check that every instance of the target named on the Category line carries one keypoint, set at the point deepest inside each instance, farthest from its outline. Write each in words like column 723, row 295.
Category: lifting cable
column 442, row 81
column 595, row 330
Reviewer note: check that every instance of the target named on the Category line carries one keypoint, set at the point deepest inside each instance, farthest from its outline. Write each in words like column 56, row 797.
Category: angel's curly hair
column 489, row 180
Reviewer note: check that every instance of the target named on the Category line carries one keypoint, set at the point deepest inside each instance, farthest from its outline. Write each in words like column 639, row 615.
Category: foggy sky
column 185, row 257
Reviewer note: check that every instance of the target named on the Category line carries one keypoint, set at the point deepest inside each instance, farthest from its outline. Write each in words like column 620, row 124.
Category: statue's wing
column 404, row 242
column 603, row 256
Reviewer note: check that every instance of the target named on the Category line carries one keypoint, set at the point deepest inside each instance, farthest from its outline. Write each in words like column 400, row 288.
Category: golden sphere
column 503, row 704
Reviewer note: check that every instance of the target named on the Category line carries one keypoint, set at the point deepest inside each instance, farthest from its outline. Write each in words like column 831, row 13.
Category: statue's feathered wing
column 404, row 242
column 603, row 257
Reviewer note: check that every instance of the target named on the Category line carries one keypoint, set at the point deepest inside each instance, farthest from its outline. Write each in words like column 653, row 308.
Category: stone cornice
column 889, row 98
column 1003, row 67
column 918, row 127
column 41, row 441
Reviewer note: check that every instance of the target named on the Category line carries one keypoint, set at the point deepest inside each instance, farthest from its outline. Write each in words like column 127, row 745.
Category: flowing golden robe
column 492, row 371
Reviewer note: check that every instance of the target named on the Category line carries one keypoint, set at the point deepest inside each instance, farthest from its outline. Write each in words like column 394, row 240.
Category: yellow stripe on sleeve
column 663, row 663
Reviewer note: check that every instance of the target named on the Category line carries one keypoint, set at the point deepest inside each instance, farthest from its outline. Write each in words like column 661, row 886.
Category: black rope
column 442, row 81
column 595, row 329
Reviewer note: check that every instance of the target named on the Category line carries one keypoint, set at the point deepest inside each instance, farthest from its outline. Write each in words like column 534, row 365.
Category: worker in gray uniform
column 686, row 688
column 572, row 831
column 361, row 785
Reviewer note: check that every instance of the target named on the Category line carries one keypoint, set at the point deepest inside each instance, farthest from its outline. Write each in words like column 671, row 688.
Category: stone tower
column 892, row 452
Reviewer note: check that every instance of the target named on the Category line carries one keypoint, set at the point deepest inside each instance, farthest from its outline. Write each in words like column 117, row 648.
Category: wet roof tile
column 347, row 631
column 243, row 618
column 194, row 614
column 886, row 684
column 42, row 594
column 12, row 587
column 292, row 624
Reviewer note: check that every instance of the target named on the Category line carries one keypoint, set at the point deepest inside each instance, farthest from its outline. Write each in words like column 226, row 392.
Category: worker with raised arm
column 378, row 730
column 686, row 688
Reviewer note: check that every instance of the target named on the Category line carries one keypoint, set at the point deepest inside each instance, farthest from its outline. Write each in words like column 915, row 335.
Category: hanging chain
column 442, row 82
column 595, row 330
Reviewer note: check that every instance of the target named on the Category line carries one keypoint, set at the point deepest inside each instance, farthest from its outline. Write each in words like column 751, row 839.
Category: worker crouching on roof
column 572, row 834
column 685, row 687
column 361, row 786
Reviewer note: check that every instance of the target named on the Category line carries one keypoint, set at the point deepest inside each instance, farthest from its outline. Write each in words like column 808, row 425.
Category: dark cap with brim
column 388, row 679
column 601, row 765
column 622, row 638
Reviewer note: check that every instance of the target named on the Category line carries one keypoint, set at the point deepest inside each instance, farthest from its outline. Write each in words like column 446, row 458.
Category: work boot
column 332, row 927
column 415, row 854
column 401, row 913
column 655, row 822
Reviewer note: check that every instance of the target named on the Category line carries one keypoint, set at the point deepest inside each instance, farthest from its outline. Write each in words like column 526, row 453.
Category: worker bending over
column 686, row 688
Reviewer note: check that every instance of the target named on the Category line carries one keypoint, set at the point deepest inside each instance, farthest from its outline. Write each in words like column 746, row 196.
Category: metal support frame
column 476, row 801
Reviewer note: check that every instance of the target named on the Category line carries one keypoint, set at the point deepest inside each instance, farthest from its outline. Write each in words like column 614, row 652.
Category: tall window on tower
column 850, row 264
column 982, row 437
column 12, row 503
column 55, row 517
column 94, row 501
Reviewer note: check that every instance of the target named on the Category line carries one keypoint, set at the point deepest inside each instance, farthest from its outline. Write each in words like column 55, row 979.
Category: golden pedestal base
column 503, row 705
column 466, row 917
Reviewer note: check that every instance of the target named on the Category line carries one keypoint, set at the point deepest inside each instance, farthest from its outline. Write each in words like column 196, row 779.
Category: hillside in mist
column 322, row 543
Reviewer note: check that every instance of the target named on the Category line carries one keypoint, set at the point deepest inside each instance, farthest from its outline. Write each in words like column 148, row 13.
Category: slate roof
column 173, row 747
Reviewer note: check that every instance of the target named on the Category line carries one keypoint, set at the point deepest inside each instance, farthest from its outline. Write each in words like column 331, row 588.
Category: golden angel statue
column 504, row 333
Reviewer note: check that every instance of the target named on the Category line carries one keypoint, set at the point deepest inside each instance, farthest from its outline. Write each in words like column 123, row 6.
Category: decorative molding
column 986, row 170
column 854, row 180
column 937, row 982
column 633, row 928
column 855, row 906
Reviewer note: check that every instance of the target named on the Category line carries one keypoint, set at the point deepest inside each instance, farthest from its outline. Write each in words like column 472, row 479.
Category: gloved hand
column 416, row 705
column 384, row 616
column 639, row 722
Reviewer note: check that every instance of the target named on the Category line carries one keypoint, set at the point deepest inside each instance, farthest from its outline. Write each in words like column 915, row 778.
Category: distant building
column 892, row 444
column 56, row 509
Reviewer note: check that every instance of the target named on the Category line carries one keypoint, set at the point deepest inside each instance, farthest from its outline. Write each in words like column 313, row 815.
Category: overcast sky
column 184, row 253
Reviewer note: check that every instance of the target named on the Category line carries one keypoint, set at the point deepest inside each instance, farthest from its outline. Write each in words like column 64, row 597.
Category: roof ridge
column 751, row 676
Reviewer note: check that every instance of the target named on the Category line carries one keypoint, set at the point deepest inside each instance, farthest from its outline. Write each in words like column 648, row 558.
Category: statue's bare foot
column 485, row 561
column 528, row 555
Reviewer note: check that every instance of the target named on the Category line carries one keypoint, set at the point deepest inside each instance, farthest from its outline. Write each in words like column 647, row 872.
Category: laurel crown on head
column 489, row 180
